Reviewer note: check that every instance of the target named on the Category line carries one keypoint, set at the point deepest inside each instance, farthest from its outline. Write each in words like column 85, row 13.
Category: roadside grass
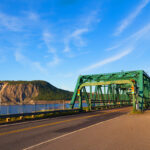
column 135, row 112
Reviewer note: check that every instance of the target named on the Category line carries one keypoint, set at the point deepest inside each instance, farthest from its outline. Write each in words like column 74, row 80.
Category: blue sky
column 57, row 40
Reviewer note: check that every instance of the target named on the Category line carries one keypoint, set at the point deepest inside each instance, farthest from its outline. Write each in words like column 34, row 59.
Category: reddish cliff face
column 17, row 93
column 29, row 92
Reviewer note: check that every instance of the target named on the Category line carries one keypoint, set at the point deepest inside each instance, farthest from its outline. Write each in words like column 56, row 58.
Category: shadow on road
column 82, row 123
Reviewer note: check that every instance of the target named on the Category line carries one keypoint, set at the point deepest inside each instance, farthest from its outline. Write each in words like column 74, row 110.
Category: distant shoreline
column 41, row 102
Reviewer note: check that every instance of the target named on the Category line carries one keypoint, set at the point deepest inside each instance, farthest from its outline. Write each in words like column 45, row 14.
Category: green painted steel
column 111, row 89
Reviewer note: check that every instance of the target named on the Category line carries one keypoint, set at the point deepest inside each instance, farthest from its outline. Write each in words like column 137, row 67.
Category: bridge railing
column 38, row 113
column 17, row 110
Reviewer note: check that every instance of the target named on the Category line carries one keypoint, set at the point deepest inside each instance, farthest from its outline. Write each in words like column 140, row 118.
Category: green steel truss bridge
column 112, row 89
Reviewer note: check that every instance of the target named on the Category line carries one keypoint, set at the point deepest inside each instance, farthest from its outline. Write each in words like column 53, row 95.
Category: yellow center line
column 53, row 123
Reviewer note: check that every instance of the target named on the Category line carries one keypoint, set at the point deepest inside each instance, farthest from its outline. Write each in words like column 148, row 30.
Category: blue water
column 16, row 109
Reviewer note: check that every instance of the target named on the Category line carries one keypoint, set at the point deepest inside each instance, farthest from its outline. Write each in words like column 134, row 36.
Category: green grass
column 136, row 112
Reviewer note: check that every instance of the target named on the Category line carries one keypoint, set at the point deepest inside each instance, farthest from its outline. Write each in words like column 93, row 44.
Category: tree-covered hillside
column 22, row 91
column 50, row 92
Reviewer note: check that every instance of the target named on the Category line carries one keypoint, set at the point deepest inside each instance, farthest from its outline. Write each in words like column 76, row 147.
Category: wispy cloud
column 108, row 60
column 11, row 23
column 133, row 39
column 75, row 37
column 127, row 21
column 39, row 67
column 130, row 43
column 67, row 48
column 20, row 57
column 33, row 16
column 141, row 33
column 54, row 62
column 48, row 39
column 27, row 62
column 51, row 50
column 113, row 47
column 78, row 32
column 17, row 23
column 93, row 17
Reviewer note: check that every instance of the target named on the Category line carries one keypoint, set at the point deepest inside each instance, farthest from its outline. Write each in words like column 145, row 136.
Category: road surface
column 108, row 129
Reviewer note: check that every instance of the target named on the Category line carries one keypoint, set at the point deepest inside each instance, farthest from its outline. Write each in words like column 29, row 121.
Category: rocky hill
column 28, row 92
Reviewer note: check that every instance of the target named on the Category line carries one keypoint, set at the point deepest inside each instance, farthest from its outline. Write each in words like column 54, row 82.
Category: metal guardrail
column 28, row 108
column 38, row 113
column 59, row 111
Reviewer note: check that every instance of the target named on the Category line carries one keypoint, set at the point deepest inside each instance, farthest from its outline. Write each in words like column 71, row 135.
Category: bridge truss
column 112, row 89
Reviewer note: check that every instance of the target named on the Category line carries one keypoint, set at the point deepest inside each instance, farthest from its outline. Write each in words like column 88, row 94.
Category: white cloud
column 67, row 44
column 67, row 48
column 83, row 26
column 131, row 17
column 47, row 36
column 131, row 42
column 113, row 47
column 139, row 34
column 51, row 50
column 133, row 39
column 20, row 57
column 25, row 61
column 108, row 60
column 54, row 62
column 48, row 39
column 15, row 23
column 38, row 66
column 33, row 16
column 91, row 18
column 76, row 38
column 78, row 32
column 10, row 22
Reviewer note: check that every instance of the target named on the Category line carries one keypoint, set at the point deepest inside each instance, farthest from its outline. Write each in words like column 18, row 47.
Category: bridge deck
column 127, row 132
column 109, row 129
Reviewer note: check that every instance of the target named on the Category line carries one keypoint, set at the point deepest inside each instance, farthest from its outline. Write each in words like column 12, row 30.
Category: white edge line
column 36, row 145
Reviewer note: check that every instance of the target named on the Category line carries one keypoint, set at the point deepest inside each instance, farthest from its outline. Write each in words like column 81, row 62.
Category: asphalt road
column 31, row 134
